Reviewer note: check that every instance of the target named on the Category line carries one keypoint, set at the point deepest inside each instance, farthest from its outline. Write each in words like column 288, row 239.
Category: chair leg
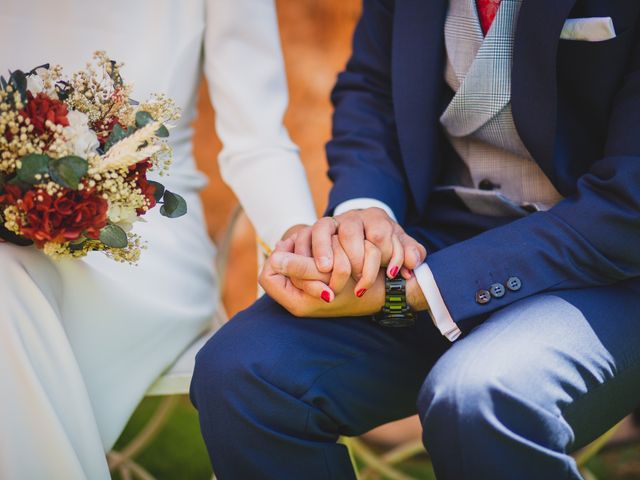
column 142, row 440
column 591, row 450
column 373, row 462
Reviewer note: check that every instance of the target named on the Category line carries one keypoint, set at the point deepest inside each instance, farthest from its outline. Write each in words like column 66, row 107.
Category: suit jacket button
column 483, row 297
column 514, row 284
column 497, row 290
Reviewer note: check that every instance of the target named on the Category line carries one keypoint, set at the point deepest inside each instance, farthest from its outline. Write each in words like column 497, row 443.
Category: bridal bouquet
column 74, row 158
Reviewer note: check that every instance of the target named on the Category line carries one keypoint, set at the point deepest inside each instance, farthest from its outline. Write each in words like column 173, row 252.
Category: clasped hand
column 337, row 266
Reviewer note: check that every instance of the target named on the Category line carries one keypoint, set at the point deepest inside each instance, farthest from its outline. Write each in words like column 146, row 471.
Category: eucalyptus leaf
column 113, row 236
column 31, row 166
column 68, row 171
column 159, row 191
column 19, row 81
column 143, row 118
column 117, row 134
column 174, row 205
column 162, row 132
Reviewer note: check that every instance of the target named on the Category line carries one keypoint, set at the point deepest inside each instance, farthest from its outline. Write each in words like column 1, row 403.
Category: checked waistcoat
column 478, row 121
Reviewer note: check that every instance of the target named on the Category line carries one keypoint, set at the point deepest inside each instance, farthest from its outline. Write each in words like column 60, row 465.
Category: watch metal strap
column 396, row 311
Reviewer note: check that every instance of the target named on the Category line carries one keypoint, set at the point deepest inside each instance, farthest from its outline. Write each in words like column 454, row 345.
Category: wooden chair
column 176, row 379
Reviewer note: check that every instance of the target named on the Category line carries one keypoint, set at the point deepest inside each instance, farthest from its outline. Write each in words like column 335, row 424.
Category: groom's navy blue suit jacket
column 576, row 106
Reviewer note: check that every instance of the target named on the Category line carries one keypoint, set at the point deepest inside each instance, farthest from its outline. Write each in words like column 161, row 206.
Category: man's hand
column 365, row 238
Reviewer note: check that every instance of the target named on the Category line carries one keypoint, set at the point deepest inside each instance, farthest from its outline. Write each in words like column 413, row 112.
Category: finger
column 370, row 270
column 321, row 234
column 379, row 233
column 397, row 259
column 414, row 253
column 285, row 245
column 295, row 266
column 406, row 273
column 303, row 242
column 315, row 289
column 341, row 272
column 351, row 236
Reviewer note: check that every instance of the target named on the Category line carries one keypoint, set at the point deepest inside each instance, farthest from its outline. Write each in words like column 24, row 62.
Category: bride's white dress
column 80, row 341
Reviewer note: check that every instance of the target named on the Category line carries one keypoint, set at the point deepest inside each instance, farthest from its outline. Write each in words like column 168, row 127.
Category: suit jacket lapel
column 417, row 65
column 534, row 89
column 486, row 88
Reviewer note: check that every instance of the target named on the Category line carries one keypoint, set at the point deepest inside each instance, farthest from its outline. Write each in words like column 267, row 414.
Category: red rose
column 11, row 195
column 103, row 128
column 138, row 173
column 41, row 108
column 62, row 219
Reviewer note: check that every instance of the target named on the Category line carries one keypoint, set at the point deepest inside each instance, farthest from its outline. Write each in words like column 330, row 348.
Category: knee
column 472, row 395
column 221, row 365
column 238, row 360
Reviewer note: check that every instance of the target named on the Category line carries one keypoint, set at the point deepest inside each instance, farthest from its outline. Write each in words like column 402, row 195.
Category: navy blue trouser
column 511, row 399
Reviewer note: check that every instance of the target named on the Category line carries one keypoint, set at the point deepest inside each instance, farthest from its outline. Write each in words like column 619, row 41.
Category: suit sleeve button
column 497, row 290
column 514, row 284
column 483, row 297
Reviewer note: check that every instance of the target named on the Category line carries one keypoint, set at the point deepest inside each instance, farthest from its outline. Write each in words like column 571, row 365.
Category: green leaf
column 117, row 134
column 32, row 165
column 68, row 171
column 159, row 191
column 113, row 236
column 174, row 205
column 162, row 132
column 19, row 81
column 143, row 118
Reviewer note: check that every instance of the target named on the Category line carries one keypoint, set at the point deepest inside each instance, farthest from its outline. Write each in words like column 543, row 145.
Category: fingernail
column 393, row 272
column 361, row 292
column 326, row 296
column 416, row 255
column 324, row 262
column 411, row 273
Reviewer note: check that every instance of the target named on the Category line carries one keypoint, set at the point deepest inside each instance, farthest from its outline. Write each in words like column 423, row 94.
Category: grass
column 178, row 452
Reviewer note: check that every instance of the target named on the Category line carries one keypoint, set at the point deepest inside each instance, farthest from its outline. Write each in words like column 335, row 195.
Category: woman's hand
column 317, row 299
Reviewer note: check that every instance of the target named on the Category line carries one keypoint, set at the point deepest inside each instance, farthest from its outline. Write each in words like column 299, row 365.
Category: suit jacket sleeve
column 589, row 239
column 364, row 158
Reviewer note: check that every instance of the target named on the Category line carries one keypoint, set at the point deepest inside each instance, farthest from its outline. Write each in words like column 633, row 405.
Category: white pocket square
column 597, row 29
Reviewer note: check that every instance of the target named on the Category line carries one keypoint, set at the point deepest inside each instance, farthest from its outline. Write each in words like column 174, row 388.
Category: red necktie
column 487, row 10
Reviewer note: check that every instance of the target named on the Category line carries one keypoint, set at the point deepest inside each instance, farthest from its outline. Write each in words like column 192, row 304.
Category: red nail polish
column 361, row 292
column 326, row 296
column 394, row 272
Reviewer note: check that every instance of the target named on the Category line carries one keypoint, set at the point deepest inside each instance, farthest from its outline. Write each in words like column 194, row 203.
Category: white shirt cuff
column 437, row 309
column 361, row 204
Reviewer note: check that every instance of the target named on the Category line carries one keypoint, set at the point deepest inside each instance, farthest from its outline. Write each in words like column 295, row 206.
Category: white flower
column 82, row 140
column 124, row 217
column 35, row 84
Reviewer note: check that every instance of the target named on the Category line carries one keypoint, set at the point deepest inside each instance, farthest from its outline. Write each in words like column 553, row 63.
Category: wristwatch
column 396, row 311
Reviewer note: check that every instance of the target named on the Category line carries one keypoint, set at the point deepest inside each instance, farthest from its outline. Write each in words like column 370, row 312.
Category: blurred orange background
column 316, row 39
